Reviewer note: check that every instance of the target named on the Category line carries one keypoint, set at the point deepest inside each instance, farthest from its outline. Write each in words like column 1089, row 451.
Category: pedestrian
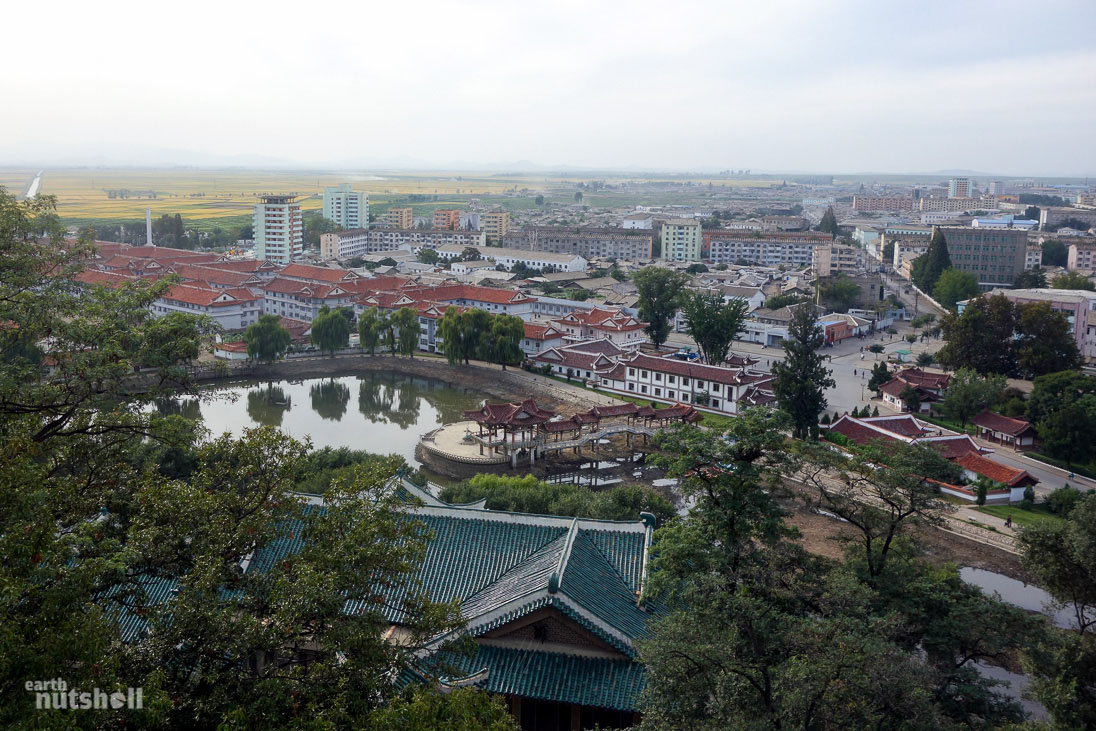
column 861, row 356
column 1008, row 521
column 854, row 371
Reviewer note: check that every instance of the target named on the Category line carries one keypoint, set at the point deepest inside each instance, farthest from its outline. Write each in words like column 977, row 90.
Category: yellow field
column 210, row 196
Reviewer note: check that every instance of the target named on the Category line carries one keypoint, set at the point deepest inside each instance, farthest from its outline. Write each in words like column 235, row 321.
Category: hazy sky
column 828, row 85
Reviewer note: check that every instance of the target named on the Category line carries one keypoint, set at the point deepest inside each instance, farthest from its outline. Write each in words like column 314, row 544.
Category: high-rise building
column 994, row 256
column 959, row 188
column 446, row 219
column 345, row 207
column 496, row 225
column 279, row 229
column 996, row 187
column 399, row 218
column 681, row 239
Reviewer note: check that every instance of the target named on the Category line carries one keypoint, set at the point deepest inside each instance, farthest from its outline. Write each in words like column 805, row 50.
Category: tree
column 968, row 394
column 876, row 348
column 458, row 709
column 828, row 224
column 139, row 552
column 406, row 321
column 880, row 490
column 981, row 337
column 539, row 200
column 1032, row 213
column 370, row 326
column 1069, row 433
column 266, row 339
column 428, row 256
column 1046, row 343
column 783, row 300
column 954, row 286
column 1055, row 253
column 1073, row 280
column 713, row 323
column 925, row 359
column 840, row 292
column 659, row 292
column 888, row 252
column 330, row 330
column 800, row 380
column 527, row 494
column 910, row 399
column 1053, row 390
column 503, row 342
column 928, row 267
column 697, row 268
column 1061, row 557
column 880, row 374
column 1030, row 279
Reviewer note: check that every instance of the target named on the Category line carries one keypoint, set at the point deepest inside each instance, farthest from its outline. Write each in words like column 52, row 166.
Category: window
column 658, row 376
column 643, row 389
column 631, row 371
column 631, row 387
column 715, row 404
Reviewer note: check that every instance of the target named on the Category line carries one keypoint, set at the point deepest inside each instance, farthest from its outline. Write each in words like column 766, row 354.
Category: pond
column 1019, row 594
column 384, row 413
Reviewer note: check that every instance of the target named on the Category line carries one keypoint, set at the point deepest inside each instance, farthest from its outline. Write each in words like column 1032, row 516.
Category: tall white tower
column 345, row 207
column 279, row 229
column 148, row 227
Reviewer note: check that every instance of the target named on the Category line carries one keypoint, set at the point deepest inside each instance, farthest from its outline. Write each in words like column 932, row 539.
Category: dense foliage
column 800, row 380
column 713, row 323
column 659, row 293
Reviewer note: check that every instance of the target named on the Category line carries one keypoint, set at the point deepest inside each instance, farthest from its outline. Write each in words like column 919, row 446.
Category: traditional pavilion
column 523, row 427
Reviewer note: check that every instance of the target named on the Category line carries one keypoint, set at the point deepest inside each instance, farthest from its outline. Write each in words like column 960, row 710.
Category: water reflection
column 188, row 407
column 266, row 406
column 393, row 410
column 1019, row 594
column 329, row 399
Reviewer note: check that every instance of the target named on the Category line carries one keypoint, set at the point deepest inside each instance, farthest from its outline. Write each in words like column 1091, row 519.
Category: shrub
column 1062, row 500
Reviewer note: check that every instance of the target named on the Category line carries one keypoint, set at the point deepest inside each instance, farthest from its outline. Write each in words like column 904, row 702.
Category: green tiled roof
column 599, row 588
column 588, row 681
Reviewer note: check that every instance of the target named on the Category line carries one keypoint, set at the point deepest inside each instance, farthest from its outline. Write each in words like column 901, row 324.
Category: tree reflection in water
column 267, row 406
column 330, row 399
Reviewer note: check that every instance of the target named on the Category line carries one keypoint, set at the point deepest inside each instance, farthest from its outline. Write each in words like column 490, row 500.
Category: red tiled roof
column 952, row 447
column 223, row 277
column 995, row 470
column 247, row 265
column 377, row 284
column 107, row 279
column 603, row 319
column 304, row 289
column 918, row 377
column 859, row 432
column 716, row 374
column 1003, row 424
column 318, row 274
column 474, row 293
column 906, row 425
column 535, row 331
column 515, row 412
column 895, row 387
column 200, row 297
column 574, row 359
column 605, row 412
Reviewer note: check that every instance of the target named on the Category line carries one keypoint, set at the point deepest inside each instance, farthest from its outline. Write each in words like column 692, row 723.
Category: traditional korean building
column 1018, row 433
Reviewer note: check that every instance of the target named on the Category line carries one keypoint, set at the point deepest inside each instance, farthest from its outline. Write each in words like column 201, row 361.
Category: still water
column 384, row 413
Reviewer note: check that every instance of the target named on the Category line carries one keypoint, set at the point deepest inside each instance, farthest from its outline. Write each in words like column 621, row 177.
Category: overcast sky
column 828, row 85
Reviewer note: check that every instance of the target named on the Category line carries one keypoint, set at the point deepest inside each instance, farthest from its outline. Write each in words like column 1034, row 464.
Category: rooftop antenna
column 148, row 226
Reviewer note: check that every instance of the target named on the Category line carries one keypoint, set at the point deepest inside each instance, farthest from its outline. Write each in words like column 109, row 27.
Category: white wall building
column 279, row 229
column 346, row 207
column 510, row 257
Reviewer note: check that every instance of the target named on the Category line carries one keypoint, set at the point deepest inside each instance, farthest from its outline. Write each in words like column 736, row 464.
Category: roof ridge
column 561, row 565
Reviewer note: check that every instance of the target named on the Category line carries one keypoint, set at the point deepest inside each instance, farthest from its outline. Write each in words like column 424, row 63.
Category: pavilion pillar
column 513, row 459
column 576, row 717
column 533, row 456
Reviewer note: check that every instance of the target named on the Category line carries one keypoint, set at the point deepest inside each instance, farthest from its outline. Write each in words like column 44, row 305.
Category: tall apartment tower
column 496, row 225
column 681, row 239
column 279, row 229
column 401, row 218
column 959, row 188
column 345, row 207
column 446, row 219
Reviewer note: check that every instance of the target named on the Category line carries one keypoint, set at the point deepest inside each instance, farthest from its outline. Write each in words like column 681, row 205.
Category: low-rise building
column 828, row 259
column 361, row 242
column 302, row 300
column 789, row 249
column 1051, row 217
column 232, row 309
column 994, row 256
column 1017, row 433
column 883, row 203
column 1077, row 305
column 510, row 257
column 589, row 243
column 615, row 325
column 670, row 380
column 638, row 221
column 1082, row 256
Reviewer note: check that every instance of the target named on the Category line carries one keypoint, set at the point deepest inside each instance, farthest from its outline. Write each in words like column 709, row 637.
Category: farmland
column 210, row 198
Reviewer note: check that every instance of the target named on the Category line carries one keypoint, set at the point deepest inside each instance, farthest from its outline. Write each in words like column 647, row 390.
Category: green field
column 1037, row 515
column 209, row 198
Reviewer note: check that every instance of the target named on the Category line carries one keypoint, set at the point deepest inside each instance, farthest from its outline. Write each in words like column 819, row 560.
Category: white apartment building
column 346, row 207
column 360, row 242
column 1082, row 256
column 681, row 240
column 708, row 388
column 279, row 229
column 765, row 249
column 232, row 309
column 509, row 257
